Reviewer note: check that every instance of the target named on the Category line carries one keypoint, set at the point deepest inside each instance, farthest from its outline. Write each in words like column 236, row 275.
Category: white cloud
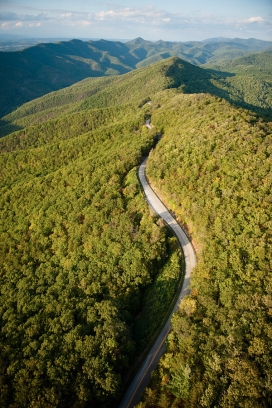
column 101, row 16
column 118, row 16
column 85, row 23
column 146, row 21
column 143, row 14
column 28, row 25
column 76, row 19
column 5, row 25
column 254, row 20
column 66, row 15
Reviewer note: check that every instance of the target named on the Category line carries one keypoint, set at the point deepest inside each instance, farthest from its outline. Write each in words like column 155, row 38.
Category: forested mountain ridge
column 87, row 271
column 213, row 168
column 244, row 88
column 257, row 63
column 35, row 71
column 249, row 80
column 112, row 91
column 80, row 256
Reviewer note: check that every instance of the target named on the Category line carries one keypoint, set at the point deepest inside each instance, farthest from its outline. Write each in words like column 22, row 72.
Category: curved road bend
column 142, row 378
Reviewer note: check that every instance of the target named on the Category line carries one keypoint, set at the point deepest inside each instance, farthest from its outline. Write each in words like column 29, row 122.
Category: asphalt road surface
column 142, row 378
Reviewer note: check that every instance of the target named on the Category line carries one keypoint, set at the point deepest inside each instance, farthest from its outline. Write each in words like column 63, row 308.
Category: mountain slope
column 112, row 91
column 145, row 82
column 87, row 271
column 249, row 80
column 260, row 61
column 35, row 71
column 213, row 168
column 80, row 255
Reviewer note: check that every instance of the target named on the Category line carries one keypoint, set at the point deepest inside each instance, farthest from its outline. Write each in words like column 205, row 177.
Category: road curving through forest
column 142, row 378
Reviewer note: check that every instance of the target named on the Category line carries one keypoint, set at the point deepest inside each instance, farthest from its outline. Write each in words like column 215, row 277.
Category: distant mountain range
column 38, row 70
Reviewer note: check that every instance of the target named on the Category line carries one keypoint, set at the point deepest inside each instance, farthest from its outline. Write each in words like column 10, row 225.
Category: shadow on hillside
column 221, row 74
column 193, row 79
column 6, row 128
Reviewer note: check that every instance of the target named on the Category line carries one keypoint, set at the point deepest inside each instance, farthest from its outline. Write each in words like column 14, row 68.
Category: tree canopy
column 213, row 168
column 88, row 271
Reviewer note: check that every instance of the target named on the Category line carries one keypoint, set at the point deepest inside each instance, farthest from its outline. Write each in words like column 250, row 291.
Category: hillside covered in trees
column 248, row 80
column 213, row 168
column 245, row 82
column 80, row 256
column 87, row 271
column 35, row 71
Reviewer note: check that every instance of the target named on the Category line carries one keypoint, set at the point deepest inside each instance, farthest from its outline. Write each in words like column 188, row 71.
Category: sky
column 175, row 20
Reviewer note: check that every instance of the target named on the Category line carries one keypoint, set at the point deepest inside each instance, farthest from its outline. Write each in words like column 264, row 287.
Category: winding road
column 142, row 378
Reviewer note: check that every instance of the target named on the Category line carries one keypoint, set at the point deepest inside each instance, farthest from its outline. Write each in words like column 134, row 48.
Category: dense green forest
column 213, row 168
column 88, row 271
column 35, row 71
column 248, row 80
column 80, row 256
column 246, row 85
column 113, row 92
